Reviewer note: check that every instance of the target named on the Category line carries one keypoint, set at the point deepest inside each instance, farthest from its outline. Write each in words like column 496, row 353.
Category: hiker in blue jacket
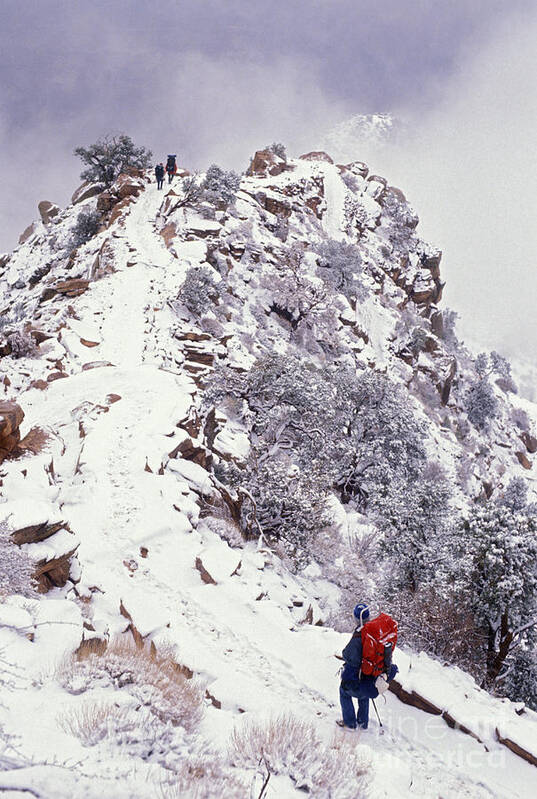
column 159, row 174
column 353, row 682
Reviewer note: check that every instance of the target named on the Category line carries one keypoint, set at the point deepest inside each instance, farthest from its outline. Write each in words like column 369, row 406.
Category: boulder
column 530, row 442
column 40, row 385
column 118, row 209
column 72, row 288
column 4, row 259
column 48, row 211
column 376, row 187
column 168, row 233
column 86, row 191
column 11, row 416
column 127, row 186
column 265, row 163
column 54, row 573
column 317, row 155
column 56, row 376
column 190, row 451
column 524, row 460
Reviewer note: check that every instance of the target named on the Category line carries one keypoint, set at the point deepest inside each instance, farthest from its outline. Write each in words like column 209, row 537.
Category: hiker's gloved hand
column 381, row 684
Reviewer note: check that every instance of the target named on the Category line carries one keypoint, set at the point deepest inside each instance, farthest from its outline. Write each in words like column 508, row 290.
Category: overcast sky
column 215, row 79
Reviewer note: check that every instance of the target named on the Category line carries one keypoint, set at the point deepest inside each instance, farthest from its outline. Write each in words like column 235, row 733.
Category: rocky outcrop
column 376, row 187
column 190, row 451
column 11, row 416
column 124, row 189
column 27, row 233
column 525, row 754
column 317, row 155
column 54, row 569
column 266, row 163
column 47, row 211
column 357, row 168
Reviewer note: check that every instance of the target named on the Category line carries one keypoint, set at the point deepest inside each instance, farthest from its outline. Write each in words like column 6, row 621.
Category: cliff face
column 123, row 480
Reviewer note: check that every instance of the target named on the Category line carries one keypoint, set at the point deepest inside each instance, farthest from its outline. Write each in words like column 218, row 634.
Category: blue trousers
column 361, row 691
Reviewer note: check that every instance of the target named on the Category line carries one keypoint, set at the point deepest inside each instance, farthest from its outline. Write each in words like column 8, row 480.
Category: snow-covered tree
column 329, row 428
column 110, row 156
column 496, row 570
column 416, row 519
column 278, row 149
column 200, row 289
column 515, row 495
column 519, row 679
column 219, row 185
column 340, row 265
column 480, row 402
column 87, row 225
column 355, row 215
column 296, row 295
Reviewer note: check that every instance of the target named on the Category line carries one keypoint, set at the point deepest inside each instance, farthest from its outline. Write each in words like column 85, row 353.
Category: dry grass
column 34, row 441
column 153, row 677
column 291, row 746
column 202, row 779
column 93, row 721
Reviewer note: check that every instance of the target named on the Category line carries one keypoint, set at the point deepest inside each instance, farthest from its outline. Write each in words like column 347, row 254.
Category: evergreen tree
column 110, row 156
column 496, row 570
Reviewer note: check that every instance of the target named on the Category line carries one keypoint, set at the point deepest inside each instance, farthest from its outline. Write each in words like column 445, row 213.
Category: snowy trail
column 335, row 192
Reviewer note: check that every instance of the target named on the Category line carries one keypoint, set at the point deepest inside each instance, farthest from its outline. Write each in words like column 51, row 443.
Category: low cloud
column 470, row 169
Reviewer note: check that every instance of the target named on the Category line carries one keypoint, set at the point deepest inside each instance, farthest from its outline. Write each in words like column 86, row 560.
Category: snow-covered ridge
column 116, row 384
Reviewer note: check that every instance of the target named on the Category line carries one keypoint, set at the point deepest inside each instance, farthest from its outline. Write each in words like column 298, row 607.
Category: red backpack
column 379, row 638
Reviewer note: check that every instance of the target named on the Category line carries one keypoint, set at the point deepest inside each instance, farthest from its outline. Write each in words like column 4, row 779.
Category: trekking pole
column 376, row 711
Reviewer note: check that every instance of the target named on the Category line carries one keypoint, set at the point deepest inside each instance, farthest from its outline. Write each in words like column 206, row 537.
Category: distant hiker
column 159, row 174
column 368, row 666
column 171, row 167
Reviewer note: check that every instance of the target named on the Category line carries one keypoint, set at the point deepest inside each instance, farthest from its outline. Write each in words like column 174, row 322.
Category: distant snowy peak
column 362, row 134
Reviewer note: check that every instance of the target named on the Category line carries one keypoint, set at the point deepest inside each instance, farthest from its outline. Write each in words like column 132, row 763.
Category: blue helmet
column 361, row 613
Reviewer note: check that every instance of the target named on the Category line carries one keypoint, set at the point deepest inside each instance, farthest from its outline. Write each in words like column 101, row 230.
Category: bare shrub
column 17, row 572
column 292, row 746
column 153, row 678
column 342, row 771
column 227, row 529
column 439, row 624
column 22, row 344
column 201, row 777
